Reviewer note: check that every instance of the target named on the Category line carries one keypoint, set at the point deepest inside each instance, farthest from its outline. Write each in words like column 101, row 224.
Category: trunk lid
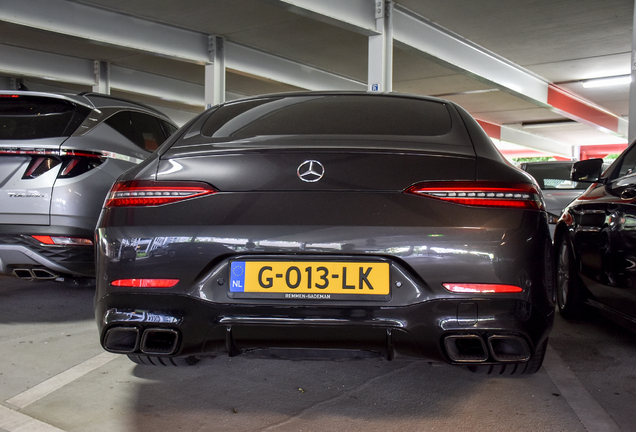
column 338, row 164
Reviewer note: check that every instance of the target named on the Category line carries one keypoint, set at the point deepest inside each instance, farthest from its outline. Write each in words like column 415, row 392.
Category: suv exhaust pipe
column 34, row 274
column 23, row 273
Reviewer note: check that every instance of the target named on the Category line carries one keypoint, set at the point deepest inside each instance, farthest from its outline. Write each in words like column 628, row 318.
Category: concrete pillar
column 380, row 73
column 102, row 77
column 215, row 72
column 631, row 132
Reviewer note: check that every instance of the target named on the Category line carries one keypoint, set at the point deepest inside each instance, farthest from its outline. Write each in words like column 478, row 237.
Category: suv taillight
column 153, row 193
column 482, row 193
column 73, row 162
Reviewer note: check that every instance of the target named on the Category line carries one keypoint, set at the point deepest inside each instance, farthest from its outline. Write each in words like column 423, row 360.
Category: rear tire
column 569, row 286
column 145, row 360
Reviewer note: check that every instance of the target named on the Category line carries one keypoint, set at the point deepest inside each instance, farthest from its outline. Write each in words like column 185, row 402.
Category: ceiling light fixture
column 606, row 82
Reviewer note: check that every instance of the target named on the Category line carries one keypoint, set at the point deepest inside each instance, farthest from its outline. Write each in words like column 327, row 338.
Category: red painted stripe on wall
column 600, row 151
column 575, row 108
column 493, row 130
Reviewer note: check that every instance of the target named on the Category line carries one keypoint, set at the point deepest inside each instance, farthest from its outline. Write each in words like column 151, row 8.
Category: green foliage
column 517, row 160
column 611, row 157
column 533, row 159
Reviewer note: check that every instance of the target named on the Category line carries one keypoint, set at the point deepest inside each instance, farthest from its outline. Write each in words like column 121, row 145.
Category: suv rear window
column 555, row 176
column 144, row 130
column 329, row 115
column 33, row 117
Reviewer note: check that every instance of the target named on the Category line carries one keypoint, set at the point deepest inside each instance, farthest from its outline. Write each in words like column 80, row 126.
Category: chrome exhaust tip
column 34, row 273
column 44, row 274
column 23, row 273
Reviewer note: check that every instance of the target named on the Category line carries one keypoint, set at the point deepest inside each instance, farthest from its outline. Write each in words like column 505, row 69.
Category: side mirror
column 589, row 170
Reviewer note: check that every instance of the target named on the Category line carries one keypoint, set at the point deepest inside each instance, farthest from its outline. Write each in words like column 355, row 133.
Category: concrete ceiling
column 560, row 43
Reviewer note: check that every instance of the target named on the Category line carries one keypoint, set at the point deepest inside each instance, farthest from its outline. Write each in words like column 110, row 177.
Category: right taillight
column 154, row 193
column 482, row 193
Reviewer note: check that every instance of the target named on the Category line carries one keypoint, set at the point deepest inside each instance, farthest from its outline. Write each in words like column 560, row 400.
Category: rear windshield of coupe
column 33, row 117
column 329, row 115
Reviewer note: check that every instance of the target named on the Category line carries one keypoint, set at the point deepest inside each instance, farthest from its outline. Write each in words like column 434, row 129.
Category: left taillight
column 74, row 162
column 154, row 193
column 482, row 193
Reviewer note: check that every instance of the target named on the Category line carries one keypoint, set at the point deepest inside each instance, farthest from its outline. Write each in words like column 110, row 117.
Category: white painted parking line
column 13, row 421
column 37, row 392
column 587, row 409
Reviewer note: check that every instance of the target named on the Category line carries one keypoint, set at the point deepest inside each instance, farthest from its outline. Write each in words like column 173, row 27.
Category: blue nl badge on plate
column 237, row 276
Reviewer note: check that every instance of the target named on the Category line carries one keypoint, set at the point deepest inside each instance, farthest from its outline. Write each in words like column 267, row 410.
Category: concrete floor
column 54, row 376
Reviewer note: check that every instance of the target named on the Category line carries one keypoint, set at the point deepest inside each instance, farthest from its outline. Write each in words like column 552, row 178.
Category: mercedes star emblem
column 310, row 171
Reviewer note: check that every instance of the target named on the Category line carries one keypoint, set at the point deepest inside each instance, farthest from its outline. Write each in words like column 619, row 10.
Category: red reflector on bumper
column 145, row 283
column 481, row 288
column 44, row 239
column 63, row 241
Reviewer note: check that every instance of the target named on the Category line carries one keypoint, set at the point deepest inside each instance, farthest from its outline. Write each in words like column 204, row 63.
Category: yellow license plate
column 309, row 277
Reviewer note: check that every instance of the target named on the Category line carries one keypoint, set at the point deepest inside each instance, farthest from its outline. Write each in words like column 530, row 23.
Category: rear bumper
column 462, row 331
column 34, row 260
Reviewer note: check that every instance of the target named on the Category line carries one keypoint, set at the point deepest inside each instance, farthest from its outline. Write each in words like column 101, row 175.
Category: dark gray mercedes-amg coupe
column 327, row 224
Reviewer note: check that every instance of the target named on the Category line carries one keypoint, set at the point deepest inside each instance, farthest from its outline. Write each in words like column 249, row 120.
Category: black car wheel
column 531, row 366
column 163, row 361
column 569, row 292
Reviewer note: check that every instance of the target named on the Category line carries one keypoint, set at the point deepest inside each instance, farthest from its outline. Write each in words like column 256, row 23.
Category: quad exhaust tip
column 123, row 340
column 152, row 341
column 469, row 348
column 508, row 348
column 159, row 341
column 472, row 348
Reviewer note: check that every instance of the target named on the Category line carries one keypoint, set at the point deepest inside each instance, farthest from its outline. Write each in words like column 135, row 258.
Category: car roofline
column 336, row 93
column 85, row 100
column 130, row 103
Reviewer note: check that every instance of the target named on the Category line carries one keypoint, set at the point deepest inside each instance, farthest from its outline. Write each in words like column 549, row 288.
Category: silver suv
column 59, row 155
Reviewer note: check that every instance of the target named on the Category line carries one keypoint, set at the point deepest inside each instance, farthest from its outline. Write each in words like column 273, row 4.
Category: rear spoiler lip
column 70, row 98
